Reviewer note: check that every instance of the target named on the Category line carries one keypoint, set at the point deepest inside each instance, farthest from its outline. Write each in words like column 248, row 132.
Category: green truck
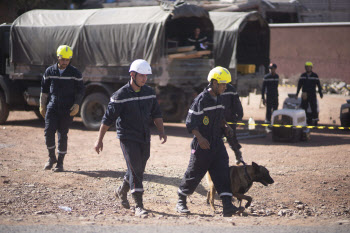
column 106, row 41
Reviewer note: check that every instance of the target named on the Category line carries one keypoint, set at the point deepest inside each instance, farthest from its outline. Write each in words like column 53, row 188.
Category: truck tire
column 4, row 109
column 92, row 110
column 38, row 115
column 173, row 105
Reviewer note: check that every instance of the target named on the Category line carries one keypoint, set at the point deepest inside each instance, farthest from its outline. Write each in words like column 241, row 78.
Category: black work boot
column 228, row 208
column 59, row 165
column 181, row 206
column 139, row 210
column 52, row 160
column 122, row 193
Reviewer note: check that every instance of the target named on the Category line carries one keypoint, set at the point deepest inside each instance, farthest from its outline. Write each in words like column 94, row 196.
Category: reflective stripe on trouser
column 136, row 155
column 57, row 121
column 271, row 105
column 215, row 161
column 312, row 100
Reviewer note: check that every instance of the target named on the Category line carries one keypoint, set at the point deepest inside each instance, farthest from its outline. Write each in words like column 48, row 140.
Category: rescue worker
column 206, row 121
column 132, row 107
column 270, row 87
column 308, row 82
column 233, row 114
column 198, row 40
column 62, row 90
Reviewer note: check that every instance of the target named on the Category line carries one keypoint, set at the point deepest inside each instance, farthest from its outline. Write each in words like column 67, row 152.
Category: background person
column 270, row 87
column 62, row 90
column 308, row 82
column 132, row 107
column 234, row 114
column 198, row 40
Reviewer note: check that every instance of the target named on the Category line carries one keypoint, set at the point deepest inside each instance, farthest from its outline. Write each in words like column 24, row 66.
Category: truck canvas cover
column 99, row 37
column 227, row 27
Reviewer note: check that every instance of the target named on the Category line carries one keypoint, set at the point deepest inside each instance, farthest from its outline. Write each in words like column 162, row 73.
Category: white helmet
column 140, row 66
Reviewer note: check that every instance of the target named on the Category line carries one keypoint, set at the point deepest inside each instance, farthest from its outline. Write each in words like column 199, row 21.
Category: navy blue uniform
column 308, row 85
column 233, row 112
column 64, row 90
column 197, row 42
column 270, row 87
column 206, row 115
column 132, row 112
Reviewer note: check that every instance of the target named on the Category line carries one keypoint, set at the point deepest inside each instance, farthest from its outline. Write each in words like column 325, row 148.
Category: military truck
column 242, row 44
column 106, row 41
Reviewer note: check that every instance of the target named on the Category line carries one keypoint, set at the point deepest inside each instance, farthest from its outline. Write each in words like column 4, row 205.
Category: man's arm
column 319, row 88
column 159, row 124
column 203, row 142
column 99, row 142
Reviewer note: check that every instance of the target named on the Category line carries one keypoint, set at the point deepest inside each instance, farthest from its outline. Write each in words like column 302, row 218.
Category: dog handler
column 131, row 107
column 62, row 90
column 206, row 121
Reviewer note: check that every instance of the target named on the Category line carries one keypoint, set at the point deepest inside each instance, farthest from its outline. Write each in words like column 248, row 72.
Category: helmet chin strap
column 135, row 80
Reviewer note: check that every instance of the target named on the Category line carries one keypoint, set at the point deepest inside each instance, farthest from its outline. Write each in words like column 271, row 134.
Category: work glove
column 74, row 110
column 43, row 102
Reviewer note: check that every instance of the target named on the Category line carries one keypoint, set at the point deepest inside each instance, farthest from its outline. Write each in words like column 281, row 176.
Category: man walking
column 132, row 107
column 233, row 113
column 270, row 87
column 205, row 120
column 62, row 90
column 308, row 82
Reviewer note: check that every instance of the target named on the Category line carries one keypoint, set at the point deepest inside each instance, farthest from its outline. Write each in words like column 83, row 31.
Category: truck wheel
column 4, row 109
column 173, row 105
column 38, row 115
column 92, row 110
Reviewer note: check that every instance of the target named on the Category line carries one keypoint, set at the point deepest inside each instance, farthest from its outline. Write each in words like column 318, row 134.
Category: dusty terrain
column 312, row 179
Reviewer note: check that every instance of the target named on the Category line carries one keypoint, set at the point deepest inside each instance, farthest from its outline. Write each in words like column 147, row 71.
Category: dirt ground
column 312, row 179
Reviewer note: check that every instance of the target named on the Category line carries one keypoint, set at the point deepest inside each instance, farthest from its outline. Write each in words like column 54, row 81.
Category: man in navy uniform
column 206, row 121
column 132, row 107
column 308, row 82
column 62, row 90
column 270, row 87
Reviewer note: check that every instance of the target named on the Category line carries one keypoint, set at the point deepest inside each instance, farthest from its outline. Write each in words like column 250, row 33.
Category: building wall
column 327, row 47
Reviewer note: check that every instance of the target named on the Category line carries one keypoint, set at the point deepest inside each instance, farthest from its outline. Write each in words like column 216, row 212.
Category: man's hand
column 321, row 95
column 98, row 146
column 74, row 110
column 163, row 136
column 43, row 102
column 42, row 111
column 203, row 143
column 229, row 131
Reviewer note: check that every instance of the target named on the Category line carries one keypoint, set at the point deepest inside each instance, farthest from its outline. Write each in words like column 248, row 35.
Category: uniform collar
column 130, row 88
column 56, row 67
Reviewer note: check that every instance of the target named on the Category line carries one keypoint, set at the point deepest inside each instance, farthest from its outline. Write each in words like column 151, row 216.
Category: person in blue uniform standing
column 270, row 87
column 132, row 107
column 233, row 114
column 62, row 90
column 307, row 83
column 206, row 121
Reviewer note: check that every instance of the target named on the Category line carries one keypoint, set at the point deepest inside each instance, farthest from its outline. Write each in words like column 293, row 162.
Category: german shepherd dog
column 242, row 178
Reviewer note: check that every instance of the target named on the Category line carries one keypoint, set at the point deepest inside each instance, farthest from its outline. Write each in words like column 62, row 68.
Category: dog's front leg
column 240, row 196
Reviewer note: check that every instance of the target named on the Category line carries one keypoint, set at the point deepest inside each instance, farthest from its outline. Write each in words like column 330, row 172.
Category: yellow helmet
column 308, row 63
column 64, row 51
column 221, row 74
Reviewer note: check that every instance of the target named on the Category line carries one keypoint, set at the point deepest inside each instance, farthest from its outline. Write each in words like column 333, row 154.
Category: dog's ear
column 255, row 166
